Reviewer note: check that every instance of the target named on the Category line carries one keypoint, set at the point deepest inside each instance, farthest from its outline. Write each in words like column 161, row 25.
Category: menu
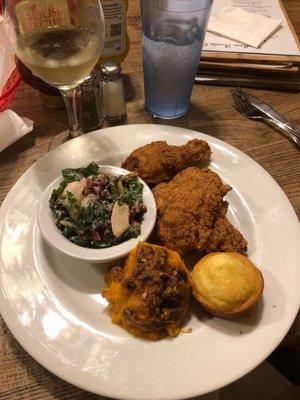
column 283, row 42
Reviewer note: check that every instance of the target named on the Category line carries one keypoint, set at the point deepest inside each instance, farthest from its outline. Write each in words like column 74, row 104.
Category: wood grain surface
column 210, row 112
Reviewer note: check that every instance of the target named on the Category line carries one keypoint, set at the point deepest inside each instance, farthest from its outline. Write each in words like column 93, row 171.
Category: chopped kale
column 132, row 232
column 87, row 222
column 75, row 174
column 71, row 175
column 56, row 194
column 133, row 191
column 73, row 206
column 91, row 170
column 95, row 215
column 111, row 187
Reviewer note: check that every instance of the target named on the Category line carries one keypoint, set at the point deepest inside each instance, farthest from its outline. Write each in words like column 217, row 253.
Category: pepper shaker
column 90, row 103
column 114, row 106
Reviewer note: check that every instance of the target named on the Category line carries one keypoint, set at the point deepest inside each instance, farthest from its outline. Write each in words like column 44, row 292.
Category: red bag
column 10, row 87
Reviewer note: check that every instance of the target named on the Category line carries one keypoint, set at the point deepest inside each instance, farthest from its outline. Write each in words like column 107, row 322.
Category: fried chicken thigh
column 158, row 162
column 192, row 213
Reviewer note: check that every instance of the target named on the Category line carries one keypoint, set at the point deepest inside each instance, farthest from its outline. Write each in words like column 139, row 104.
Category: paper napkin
column 243, row 26
column 12, row 128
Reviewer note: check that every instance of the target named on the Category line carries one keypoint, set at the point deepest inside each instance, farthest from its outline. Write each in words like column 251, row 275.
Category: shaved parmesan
column 89, row 199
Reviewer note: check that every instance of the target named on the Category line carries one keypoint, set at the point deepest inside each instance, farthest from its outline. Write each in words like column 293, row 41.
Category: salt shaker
column 114, row 107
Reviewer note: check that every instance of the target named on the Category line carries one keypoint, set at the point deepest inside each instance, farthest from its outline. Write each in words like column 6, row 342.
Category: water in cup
column 172, row 43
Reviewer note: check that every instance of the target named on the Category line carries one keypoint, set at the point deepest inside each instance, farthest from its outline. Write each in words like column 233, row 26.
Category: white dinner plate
column 53, row 305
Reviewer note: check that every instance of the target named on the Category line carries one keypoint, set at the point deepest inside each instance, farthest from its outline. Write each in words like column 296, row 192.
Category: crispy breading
column 192, row 213
column 225, row 237
column 158, row 162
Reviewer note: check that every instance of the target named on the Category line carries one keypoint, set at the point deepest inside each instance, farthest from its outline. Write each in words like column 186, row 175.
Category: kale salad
column 96, row 210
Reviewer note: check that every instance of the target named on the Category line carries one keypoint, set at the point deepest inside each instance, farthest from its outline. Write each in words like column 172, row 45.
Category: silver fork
column 243, row 106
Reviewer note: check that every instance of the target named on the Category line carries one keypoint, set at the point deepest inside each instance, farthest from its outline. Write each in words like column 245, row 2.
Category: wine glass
column 60, row 41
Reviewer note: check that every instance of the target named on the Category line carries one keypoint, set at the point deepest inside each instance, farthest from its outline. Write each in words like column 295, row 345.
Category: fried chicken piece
column 192, row 213
column 158, row 162
column 225, row 238
column 150, row 296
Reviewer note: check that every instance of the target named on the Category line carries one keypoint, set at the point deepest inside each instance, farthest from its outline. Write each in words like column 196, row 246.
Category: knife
column 271, row 113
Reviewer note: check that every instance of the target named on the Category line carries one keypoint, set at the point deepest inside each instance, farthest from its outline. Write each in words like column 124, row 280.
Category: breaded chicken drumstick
column 158, row 162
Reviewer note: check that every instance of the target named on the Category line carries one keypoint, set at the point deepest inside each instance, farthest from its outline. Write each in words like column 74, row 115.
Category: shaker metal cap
column 110, row 69
column 88, row 80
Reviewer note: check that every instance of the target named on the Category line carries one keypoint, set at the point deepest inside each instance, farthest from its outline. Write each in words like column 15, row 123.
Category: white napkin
column 12, row 128
column 243, row 26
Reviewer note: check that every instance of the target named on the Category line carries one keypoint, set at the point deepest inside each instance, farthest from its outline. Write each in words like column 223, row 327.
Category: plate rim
column 17, row 334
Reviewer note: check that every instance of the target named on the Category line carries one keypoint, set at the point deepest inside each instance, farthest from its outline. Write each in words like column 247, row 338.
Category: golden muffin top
column 226, row 281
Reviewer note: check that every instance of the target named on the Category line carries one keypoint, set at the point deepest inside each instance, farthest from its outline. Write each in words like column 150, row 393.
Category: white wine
column 62, row 56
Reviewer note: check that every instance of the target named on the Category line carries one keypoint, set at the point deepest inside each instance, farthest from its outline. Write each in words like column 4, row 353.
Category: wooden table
column 211, row 112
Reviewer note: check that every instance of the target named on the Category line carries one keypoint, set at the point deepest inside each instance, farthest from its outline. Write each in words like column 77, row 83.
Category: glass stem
column 70, row 102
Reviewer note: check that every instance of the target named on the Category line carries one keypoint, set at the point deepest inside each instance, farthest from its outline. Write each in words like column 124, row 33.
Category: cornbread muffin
column 150, row 295
column 227, row 284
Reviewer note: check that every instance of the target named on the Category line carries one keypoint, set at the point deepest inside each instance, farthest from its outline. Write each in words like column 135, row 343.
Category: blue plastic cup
column 173, row 35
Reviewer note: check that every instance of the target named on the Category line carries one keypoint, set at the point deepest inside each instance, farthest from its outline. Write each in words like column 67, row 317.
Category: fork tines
column 242, row 104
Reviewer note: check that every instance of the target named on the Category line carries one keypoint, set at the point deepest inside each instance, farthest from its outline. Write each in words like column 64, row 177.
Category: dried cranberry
column 104, row 195
column 137, row 209
column 89, row 183
column 95, row 235
column 96, row 185
column 132, row 212
column 143, row 209
column 101, row 182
